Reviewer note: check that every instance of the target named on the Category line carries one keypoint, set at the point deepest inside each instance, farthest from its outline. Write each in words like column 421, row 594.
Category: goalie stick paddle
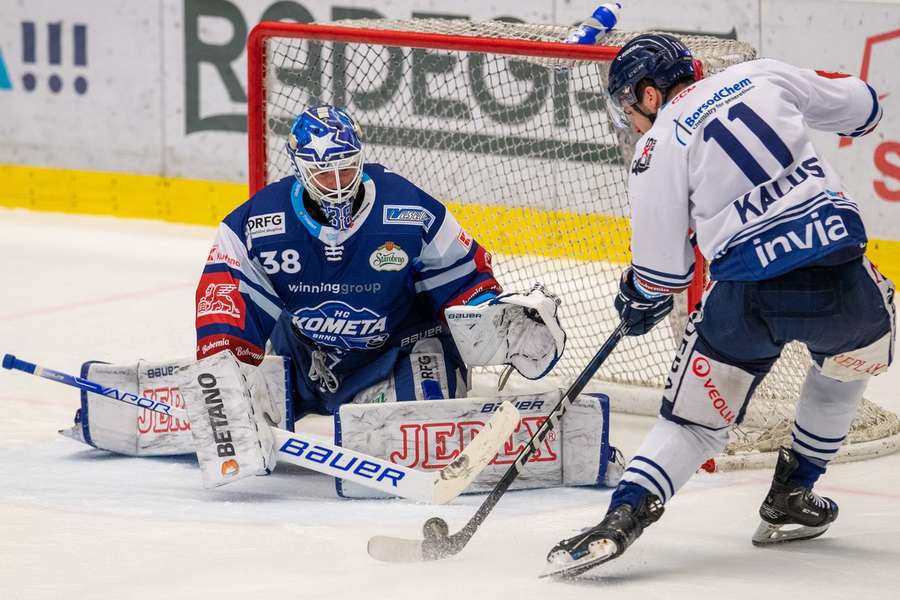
column 437, row 544
column 318, row 454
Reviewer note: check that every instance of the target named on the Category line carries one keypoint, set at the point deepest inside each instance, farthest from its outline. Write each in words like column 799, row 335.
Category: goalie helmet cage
column 505, row 125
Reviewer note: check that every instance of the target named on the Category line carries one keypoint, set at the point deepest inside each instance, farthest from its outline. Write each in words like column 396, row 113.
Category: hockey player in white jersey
column 729, row 158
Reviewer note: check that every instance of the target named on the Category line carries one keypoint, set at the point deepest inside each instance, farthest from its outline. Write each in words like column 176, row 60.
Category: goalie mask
column 325, row 148
column 663, row 59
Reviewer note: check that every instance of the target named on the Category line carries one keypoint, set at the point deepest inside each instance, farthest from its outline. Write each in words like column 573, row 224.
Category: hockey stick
column 318, row 454
column 437, row 544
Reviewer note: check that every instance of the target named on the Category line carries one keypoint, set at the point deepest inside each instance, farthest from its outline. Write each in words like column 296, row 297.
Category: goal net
column 507, row 126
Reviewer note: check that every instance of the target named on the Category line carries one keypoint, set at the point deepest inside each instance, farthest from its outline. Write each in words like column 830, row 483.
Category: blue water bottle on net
column 597, row 25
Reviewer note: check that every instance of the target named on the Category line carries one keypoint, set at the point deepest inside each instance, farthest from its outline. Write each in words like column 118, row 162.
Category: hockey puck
column 435, row 529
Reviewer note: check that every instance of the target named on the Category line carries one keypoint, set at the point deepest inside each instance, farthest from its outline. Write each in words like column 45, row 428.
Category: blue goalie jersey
column 355, row 294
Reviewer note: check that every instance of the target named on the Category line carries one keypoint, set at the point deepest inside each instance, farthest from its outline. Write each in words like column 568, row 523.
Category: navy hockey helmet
column 326, row 150
column 659, row 57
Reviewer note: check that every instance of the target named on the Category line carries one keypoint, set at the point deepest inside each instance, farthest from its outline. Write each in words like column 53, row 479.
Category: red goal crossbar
column 257, row 67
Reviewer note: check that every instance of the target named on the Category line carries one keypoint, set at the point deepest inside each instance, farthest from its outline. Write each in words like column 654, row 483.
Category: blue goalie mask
column 661, row 58
column 326, row 151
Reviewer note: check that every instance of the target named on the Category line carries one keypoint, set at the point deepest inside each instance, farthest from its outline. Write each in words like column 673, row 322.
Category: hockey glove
column 521, row 330
column 640, row 312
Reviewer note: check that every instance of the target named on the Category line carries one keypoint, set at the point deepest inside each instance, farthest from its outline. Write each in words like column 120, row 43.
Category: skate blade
column 563, row 567
column 767, row 533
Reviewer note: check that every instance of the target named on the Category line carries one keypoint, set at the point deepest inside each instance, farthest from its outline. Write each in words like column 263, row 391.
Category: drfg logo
column 265, row 225
column 222, row 57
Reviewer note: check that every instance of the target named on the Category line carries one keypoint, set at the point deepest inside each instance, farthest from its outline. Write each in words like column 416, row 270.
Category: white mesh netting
column 521, row 151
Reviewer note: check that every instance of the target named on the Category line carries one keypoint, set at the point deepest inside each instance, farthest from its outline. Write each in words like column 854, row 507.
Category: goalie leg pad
column 429, row 435
column 232, row 438
column 128, row 429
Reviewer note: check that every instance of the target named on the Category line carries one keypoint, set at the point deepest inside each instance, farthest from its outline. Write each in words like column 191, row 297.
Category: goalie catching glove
column 520, row 330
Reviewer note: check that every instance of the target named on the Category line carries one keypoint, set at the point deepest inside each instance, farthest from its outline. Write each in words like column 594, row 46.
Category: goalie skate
column 790, row 511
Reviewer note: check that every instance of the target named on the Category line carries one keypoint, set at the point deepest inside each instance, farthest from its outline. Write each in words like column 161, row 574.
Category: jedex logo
column 34, row 61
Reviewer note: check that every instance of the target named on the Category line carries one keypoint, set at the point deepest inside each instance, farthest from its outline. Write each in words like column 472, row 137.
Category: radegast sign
column 427, row 99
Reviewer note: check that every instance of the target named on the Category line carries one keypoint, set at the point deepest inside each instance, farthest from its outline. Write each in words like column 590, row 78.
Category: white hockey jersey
column 729, row 158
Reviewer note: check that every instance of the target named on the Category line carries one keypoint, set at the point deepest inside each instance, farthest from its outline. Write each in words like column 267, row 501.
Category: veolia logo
column 701, row 367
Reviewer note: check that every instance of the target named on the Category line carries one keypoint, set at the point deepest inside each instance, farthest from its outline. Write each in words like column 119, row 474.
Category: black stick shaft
column 459, row 540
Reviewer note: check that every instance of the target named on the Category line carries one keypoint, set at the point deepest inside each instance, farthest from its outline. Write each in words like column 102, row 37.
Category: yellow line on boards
column 502, row 229
column 119, row 194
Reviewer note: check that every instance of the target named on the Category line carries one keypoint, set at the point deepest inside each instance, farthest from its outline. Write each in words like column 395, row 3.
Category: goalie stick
column 318, row 454
column 437, row 544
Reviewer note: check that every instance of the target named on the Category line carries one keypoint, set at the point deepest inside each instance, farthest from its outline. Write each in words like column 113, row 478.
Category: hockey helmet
column 327, row 153
column 659, row 57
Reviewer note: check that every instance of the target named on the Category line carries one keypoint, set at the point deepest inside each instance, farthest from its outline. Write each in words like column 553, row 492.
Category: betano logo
column 230, row 468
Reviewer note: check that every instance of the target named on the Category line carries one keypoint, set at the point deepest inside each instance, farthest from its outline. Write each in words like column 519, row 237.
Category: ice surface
column 80, row 523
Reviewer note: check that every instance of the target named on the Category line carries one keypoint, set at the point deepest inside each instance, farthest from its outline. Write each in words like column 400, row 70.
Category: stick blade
column 453, row 479
column 395, row 550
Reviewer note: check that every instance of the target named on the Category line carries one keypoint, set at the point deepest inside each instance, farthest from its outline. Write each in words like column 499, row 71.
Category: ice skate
column 608, row 540
column 790, row 511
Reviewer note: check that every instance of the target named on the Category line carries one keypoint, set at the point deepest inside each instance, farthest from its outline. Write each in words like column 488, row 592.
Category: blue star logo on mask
column 321, row 144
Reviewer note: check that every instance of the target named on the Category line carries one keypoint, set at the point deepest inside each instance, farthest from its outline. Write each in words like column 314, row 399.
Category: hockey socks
column 670, row 454
column 825, row 411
